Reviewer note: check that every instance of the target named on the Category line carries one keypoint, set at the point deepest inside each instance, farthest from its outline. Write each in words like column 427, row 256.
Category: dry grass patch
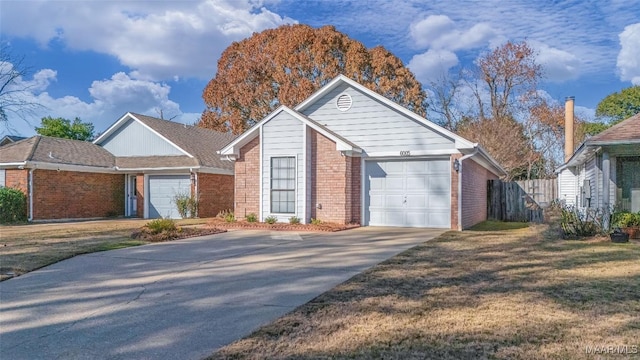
column 24, row 248
column 507, row 294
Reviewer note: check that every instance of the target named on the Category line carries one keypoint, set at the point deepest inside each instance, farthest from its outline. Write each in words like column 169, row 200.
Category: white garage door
column 162, row 190
column 414, row 193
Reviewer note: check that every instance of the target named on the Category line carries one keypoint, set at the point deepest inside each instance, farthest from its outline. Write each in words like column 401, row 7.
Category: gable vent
column 344, row 102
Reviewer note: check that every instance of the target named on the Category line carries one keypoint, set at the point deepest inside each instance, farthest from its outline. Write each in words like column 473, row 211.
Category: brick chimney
column 568, row 127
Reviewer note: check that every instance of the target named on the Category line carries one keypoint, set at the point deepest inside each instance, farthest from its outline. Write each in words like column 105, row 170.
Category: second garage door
column 162, row 190
column 415, row 193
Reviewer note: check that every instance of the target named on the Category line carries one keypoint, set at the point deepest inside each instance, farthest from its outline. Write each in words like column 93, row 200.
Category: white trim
column 233, row 148
column 31, row 194
column 261, row 173
column 13, row 164
column 127, row 190
column 304, row 172
column 68, row 167
column 414, row 153
column 146, row 196
column 123, row 119
column 295, row 186
column 338, row 100
column 459, row 141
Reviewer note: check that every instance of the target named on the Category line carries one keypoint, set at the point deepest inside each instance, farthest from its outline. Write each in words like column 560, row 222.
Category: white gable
column 132, row 138
column 373, row 125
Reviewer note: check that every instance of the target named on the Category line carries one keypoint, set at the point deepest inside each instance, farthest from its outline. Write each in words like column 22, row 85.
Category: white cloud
column 432, row 65
column 559, row 65
column 629, row 56
column 440, row 32
column 110, row 99
column 159, row 40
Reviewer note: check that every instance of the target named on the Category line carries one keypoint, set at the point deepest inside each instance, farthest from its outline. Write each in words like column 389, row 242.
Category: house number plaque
column 405, row 153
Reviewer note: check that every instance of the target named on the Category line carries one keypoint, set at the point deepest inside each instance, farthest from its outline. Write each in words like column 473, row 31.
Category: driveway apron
column 181, row 299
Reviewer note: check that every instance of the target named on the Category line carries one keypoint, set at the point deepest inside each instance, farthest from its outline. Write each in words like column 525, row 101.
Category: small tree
column 620, row 106
column 63, row 128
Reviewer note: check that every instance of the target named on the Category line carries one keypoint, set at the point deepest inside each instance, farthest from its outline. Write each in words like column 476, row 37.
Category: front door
column 132, row 199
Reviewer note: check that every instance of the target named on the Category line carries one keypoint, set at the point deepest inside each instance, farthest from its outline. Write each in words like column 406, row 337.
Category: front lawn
column 507, row 294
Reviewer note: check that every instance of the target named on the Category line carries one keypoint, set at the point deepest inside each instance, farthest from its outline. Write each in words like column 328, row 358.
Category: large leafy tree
column 620, row 105
column 63, row 128
column 284, row 66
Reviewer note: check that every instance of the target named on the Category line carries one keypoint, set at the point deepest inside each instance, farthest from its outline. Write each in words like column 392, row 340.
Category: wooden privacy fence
column 520, row 200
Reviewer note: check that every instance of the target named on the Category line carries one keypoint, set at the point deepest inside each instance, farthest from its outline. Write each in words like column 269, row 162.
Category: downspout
column 475, row 151
column 30, row 219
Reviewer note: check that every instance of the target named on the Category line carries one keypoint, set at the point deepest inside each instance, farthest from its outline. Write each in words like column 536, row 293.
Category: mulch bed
column 181, row 233
column 242, row 224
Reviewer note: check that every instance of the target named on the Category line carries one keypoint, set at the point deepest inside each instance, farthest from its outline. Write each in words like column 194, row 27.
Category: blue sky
column 99, row 59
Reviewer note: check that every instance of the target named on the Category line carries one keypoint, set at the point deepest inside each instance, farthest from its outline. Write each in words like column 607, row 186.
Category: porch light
column 456, row 165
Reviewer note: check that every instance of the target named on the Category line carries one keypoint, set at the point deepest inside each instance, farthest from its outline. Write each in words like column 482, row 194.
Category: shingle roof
column 199, row 142
column 8, row 139
column 628, row 129
column 57, row 151
column 149, row 162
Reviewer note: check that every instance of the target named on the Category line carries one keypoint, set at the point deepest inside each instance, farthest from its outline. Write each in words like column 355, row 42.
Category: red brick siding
column 454, row 193
column 247, row 180
column 335, row 182
column 73, row 195
column 17, row 179
column 474, row 193
column 215, row 193
column 140, row 195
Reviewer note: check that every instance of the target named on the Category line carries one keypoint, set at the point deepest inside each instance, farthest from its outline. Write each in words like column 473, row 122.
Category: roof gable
column 233, row 148
column 341, row 80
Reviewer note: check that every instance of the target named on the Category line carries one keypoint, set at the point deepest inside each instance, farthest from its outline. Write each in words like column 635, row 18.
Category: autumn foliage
column 284, row 66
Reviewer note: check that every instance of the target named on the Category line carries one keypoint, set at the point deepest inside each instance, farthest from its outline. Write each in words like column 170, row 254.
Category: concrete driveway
column 181, row 299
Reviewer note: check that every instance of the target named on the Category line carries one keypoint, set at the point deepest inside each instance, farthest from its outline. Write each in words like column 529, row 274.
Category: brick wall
column 17, row 179
column 247, row 180
column 69, row 195
column 474, row 193
column 454, row 193
column 140, row 195
column 215, row 193
column 335, row 182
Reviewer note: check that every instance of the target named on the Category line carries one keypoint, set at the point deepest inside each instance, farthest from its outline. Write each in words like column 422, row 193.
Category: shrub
column 161, row 225
column 271, row 219
column 252, row 217
column 584, row 222
column 294, row 220
column 13, row 206
column 227, row 215
column 186, row 204
column 316, row 221
column 626, row 219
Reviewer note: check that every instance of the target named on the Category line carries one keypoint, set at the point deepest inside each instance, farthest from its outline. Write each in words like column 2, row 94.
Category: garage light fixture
column 456, row 165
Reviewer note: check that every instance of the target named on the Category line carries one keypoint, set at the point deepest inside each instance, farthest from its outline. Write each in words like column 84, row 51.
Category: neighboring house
column 8, row 139
column 349, row 155
column 604, row 171
column 135, row 168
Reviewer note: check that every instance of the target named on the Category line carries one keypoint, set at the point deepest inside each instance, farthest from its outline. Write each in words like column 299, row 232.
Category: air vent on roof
column 344, row 102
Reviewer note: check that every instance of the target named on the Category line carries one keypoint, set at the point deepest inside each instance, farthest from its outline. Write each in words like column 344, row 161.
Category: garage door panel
column 417, row 183
column 393, row 201
column 439, row 167
column 408, row 193
column 162, row 191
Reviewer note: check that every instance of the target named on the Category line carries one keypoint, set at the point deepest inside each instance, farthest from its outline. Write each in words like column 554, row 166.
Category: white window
column 283, row 185
column 2, row 176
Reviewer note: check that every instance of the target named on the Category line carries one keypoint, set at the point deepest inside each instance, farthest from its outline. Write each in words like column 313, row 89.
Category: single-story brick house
column 604, row 171
column 135, row 168
column 347, row 154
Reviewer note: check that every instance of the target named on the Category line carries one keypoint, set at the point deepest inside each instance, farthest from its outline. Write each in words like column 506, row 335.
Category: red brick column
column 247, row 180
